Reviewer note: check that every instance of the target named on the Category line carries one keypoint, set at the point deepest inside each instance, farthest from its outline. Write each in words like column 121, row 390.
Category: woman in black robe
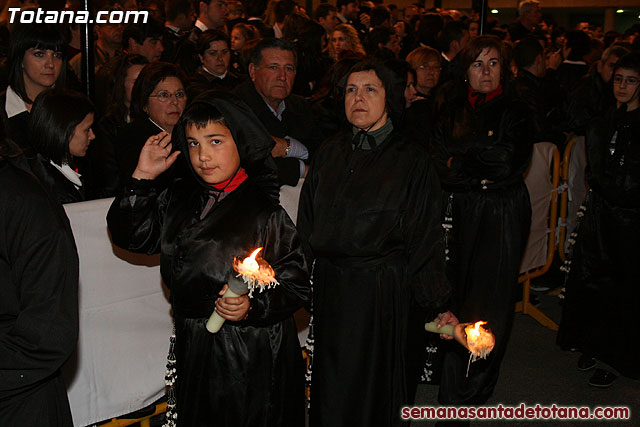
column 369, row 217
column 602, row 300
column 482, row 147
column 250, row 373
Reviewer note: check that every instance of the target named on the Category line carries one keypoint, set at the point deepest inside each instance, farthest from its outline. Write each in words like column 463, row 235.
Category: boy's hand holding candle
column 252, row 272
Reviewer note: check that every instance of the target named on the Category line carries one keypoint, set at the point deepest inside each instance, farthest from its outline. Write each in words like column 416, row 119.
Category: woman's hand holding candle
column 445, row 322
column 232, row 308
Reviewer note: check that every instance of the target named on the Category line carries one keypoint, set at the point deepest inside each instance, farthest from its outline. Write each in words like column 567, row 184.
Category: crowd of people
column 412, row 133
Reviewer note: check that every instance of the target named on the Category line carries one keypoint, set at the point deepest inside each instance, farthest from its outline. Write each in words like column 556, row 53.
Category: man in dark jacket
column 537, row 87
column 287, row 117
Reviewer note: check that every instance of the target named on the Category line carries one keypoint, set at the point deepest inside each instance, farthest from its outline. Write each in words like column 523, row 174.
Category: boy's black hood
column 253, row 141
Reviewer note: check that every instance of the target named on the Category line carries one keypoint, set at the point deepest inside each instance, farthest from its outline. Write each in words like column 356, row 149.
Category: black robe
column 371, row 221
column 490, row 228
column 250, row 373
column 602, row 301
column 38, row 302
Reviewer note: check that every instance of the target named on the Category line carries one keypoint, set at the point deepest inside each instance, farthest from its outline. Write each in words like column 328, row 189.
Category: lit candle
column 478, row 340
column 255, row 273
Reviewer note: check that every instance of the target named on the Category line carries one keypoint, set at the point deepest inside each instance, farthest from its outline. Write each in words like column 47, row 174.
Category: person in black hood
column 251, row 371
column 369, row 218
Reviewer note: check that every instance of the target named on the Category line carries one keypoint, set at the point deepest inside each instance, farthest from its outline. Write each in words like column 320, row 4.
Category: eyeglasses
column 430, row 68
column 165, row 96
column 631, row 81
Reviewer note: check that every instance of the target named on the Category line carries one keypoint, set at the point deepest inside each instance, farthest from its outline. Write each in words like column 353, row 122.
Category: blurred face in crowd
column 484, row 73
column 365, row 100
column 151, row 48
column 216, row 59
column 534, row 16
column 40, row 70
column 274, row 76
column 351, row 11
column 339, row 42
column 329, row 22
column 110, row 35
column 214, row 13
column 409, row 12
column 626, row 87
column 464, row 40
column 129, row 80
column 82, row 137
column 400, row 28
column 394, row 44
column 474, row 29
column 237, row 39
column 166, row 103
column 212, row 152
column 606, row 68
column 428, row 75
column 410, row 91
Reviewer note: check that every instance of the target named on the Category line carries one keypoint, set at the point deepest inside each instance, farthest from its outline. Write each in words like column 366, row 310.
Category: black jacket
column 544, row 97
column 250, row 372
column 590, row 99
column 39, row 301
column 297, row 122
column 55, row 182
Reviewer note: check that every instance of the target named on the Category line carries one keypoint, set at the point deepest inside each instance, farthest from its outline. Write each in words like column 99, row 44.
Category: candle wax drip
column 255, row 272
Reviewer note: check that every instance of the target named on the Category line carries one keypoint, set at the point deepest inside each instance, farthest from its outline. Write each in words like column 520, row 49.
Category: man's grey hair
column 526, row 6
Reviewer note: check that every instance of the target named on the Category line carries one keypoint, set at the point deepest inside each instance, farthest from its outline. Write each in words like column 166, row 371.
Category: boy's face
column 213, row 152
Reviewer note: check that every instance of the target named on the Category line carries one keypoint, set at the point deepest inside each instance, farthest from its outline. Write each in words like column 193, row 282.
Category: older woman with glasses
column 157, row 101
column 602, row 283
column 426, row 62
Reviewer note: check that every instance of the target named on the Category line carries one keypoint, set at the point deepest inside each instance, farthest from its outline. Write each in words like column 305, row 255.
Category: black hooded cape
column 250, row 373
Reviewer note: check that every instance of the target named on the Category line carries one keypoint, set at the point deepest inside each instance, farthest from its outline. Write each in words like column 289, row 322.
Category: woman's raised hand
column 155, row 157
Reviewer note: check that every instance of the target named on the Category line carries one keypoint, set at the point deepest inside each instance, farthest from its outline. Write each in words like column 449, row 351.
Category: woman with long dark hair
column 60, row 132
column 36, row 63
column 39, row 288
column 482, row 146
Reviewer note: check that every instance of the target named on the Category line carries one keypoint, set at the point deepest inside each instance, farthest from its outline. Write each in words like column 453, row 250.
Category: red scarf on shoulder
column 476, row 99
column 233, row 182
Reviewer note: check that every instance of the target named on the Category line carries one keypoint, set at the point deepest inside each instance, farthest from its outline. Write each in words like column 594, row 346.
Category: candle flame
column 480, row 340
column 255, row 271
column 250, row 263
